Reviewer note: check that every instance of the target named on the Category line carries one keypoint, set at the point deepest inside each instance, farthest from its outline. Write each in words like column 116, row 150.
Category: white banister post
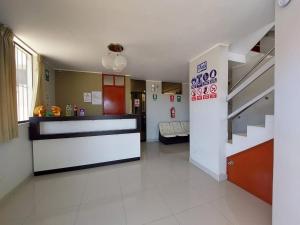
column 208, row 111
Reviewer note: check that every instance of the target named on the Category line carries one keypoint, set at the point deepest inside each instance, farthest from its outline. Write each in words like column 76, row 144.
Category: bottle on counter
column 75, row 110
column 69, row 110
column 81, row 112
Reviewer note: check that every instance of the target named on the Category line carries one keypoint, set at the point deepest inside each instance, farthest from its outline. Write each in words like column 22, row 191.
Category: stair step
column 256, row 134
column 262, row 126
column 241, row 134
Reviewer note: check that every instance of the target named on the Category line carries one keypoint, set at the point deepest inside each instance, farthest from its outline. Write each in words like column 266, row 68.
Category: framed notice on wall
column 96, row 98
column 87, row 97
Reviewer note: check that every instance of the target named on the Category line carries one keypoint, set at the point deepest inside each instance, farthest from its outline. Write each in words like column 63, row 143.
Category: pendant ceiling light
column 113, row 60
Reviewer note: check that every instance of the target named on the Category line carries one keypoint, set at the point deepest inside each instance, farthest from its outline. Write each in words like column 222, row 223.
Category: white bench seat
column 186, row 126
column 166, row 130
column 178, row 129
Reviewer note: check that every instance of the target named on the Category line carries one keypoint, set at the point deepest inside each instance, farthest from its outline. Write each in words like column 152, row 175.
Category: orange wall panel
column 252, row 170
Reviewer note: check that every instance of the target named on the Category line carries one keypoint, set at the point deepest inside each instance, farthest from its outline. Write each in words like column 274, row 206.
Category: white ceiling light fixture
column 283, row 3
column 113, row 60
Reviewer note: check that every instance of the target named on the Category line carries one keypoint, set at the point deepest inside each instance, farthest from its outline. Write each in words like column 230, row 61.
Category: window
column 171, row 88
column 24, row 83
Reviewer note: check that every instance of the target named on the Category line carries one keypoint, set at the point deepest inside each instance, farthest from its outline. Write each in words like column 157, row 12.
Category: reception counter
column 70, row 143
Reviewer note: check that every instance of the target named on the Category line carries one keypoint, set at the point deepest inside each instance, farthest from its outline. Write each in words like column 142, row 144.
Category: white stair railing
column 252, row 69
column 250, row 103
column 267, row 66
column 240, row 86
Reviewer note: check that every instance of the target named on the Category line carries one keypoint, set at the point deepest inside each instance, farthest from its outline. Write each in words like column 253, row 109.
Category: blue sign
column 204, row 83
column 201, row 67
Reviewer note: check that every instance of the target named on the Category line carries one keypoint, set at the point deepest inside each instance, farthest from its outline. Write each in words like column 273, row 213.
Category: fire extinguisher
column 172, row 111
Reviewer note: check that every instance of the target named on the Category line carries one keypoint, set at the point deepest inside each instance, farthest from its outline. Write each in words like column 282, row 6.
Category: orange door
column 252, row 170
column 113, row 95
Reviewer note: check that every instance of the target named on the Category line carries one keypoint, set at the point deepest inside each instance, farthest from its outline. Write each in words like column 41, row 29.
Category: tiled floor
column 161, row 189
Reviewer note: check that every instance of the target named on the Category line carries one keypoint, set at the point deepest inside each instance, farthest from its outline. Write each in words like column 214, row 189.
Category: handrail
column 262, row 70
column 252, row 68
column 250, row 103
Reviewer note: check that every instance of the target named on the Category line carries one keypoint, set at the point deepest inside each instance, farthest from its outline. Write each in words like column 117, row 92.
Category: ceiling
column 159, row 36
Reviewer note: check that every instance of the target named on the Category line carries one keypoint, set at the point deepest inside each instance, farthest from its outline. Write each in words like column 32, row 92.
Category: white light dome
column 120, row 62
column 108, row 61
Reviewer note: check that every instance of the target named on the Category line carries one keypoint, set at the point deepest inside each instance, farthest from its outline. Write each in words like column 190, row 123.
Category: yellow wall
column 70, row 86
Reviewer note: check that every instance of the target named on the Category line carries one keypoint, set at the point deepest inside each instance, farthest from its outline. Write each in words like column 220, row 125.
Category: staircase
column 257, row 134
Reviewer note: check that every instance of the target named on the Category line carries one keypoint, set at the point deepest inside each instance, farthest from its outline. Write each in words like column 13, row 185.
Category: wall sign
column 178, row 98
column 136, row 102
column 87, row 97
column 96, row 98
column 204, row 83
column 172, row 98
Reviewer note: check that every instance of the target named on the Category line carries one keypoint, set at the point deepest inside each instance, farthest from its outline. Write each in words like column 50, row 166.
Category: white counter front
column 64, row 145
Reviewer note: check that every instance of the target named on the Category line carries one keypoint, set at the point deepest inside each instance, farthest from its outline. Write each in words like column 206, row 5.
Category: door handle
column 230, row 163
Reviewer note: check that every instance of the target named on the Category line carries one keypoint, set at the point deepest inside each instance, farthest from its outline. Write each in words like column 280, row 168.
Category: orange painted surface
column 114, row 100
column 252, row 170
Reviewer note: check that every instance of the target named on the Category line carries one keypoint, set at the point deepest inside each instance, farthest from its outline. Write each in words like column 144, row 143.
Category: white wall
column 286, row 193
column 256, row 114
column 15, row 161
column 208, row 118
column 159, row 110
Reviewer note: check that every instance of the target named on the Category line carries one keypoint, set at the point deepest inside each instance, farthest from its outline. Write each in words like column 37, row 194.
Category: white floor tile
column 61, row 191
column 165, row 221
column 99, row 213
column 102, row 185
column 202, row 215
column 182, row 196
column 144, row 207
column 244, row 209
column 18, row 206
column 135, row 178
column 56, row 217
column 161, row 189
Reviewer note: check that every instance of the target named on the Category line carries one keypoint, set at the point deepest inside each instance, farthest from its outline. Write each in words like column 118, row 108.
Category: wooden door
column 252, row 170
column 113, row 94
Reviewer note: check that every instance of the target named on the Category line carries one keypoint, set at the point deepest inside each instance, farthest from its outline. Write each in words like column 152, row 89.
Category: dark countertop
column 68, row 118
column 34, row 128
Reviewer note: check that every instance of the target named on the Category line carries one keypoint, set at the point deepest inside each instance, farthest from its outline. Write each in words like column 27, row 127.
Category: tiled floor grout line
column 81, row 199
column 33, row 208
column 223, row 214
column 156, row 220
column 122, row 195
column 172, row 213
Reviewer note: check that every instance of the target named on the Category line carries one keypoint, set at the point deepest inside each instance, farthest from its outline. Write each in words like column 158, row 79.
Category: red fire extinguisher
column 172, row 111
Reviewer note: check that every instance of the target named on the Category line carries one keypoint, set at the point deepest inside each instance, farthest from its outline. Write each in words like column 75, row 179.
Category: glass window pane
column 119, row 81
column 24, row 83
column 108, row 80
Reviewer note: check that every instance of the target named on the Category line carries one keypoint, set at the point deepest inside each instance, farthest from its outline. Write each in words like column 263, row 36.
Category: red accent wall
column 252, row 170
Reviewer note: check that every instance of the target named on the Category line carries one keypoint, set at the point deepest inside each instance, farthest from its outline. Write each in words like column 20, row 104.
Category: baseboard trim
column 68, row 169
column 219, row 178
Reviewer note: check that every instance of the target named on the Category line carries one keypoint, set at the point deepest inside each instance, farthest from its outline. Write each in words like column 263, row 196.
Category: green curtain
column 8, row 94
